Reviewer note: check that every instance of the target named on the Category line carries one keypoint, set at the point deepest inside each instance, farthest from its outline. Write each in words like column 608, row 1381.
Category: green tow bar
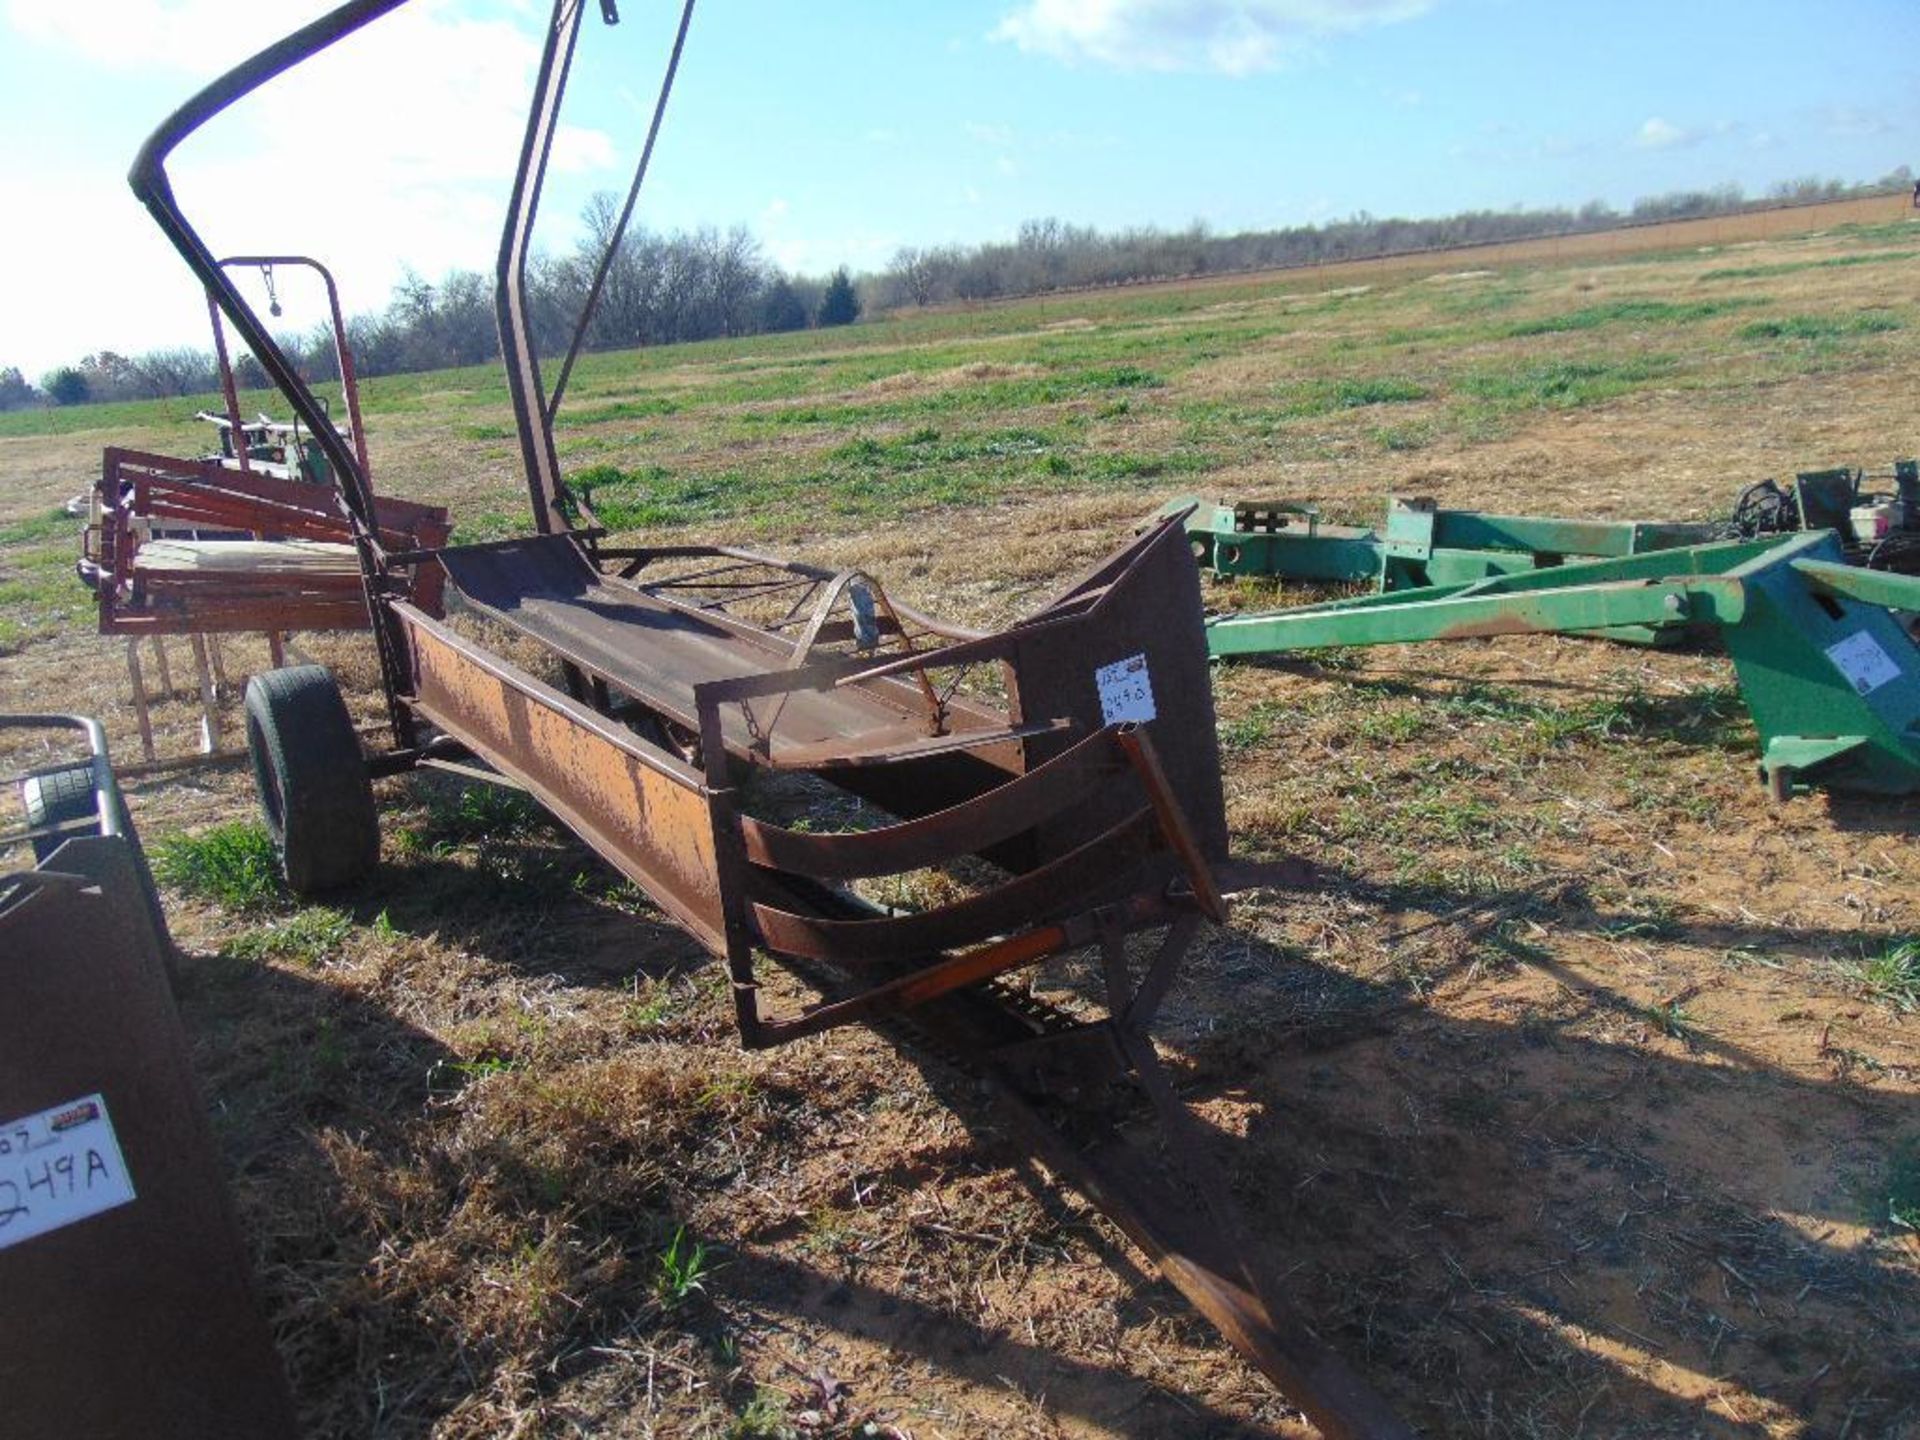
column 1829, row 674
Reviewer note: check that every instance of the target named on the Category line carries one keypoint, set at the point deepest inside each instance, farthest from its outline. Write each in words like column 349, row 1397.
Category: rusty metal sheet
column 644, row 810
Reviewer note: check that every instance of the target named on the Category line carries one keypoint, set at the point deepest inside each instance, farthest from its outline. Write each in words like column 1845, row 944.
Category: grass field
column 1578, row 1095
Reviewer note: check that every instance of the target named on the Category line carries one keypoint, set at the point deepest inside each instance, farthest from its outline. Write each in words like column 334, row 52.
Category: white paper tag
column 1126, row 691
column 58, row 1167
column 1866, row 666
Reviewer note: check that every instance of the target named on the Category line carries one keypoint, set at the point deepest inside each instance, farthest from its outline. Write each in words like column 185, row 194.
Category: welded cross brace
column 1829, row 673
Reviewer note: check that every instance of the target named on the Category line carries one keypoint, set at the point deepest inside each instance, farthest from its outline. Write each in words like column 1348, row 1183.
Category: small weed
column 651, row 1008
column 765, row 1418
column 474, row 814
column 1252, row 730
column 309, row 936
column 1893, row 976
column 232, row 864
column 827, row 1230
column 682, row 1272
column 727, row 1090
column 1670, row 1017
column 449, row 1077
column 1903, row 1186
column 1403, row 438
column 1389, row 726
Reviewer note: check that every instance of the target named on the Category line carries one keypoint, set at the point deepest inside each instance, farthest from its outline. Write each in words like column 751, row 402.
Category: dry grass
column 1566, row 1096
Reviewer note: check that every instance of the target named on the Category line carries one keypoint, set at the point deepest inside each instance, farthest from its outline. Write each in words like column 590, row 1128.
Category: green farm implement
column 1829, row 672
column 1422, row 546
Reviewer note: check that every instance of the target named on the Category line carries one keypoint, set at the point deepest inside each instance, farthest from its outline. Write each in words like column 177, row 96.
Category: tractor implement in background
column 1829, row 673
column 1066, row 766
column 1422, row 546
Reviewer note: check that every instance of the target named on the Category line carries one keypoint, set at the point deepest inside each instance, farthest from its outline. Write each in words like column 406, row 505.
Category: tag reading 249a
column 57, row 1167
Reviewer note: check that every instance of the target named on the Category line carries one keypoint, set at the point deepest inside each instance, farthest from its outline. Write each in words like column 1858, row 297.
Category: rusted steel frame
column 152, row 185
column 700, row 579
column 842, row 584
column 1138, row 745
column 1144, row 1000
column 135, row 484
column 342, row 352
column 990, row 646
column 348, row 614
column 825, row 675
column 518, row 355
column 229, row 387
column 150, row 182
column 201, row 492
column 645, row 556
column 1050, row 889
column 640, row 808
column 731, row 866
column 975, row 967
column 836, row 755
column 971, row 826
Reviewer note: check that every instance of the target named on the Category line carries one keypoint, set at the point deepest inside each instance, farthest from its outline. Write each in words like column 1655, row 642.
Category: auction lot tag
column 58, row 1167
column 1866, row 666
column 1126, row 691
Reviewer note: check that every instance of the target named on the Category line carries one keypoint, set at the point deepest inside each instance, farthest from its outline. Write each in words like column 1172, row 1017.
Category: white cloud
column 1232, row 37
column 1847, row 122
column 1659, row 134
column 411, row 128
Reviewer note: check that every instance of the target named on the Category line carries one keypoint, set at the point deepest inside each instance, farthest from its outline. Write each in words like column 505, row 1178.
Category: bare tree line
column 665, row 289
column 1049, row 255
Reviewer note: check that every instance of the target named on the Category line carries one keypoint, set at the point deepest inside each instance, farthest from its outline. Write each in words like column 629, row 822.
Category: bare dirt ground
column 1560, row 1096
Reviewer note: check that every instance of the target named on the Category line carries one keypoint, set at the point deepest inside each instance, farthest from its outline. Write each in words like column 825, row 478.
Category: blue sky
column 840, row 129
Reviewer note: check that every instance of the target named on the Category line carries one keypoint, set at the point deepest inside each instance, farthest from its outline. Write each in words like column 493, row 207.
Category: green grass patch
column 1625, row 312
column 1822, row 327
column 477, row 814
column 646, row 408
column 232, row 865
column 308, row 936
column 1326, row 397
column 1563, row 384
column 1794, row 267
column 1893, row 976
column 39, row 527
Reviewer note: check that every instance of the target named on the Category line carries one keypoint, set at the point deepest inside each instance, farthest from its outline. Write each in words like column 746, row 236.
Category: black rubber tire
column 55, row 797
column 313, row 783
